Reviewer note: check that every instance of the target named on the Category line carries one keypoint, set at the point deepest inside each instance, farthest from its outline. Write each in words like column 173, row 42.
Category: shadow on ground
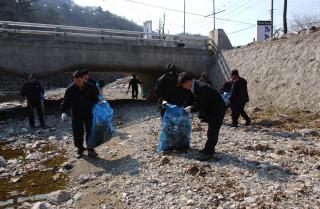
column 116, row 167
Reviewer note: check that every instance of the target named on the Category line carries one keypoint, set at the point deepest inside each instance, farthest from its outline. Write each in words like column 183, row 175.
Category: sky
column 237, row 17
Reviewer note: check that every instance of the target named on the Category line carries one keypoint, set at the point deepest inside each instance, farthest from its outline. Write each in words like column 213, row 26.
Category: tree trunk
column 285, row 25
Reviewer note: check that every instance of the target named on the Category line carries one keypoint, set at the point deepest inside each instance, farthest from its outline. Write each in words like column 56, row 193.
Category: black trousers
column 214, row 126
column 38, row 107
column 237, row 110
column 135, row 93
column 79, row 124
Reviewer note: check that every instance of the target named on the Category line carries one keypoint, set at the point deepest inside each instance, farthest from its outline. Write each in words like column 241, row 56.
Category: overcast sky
column 238, row 20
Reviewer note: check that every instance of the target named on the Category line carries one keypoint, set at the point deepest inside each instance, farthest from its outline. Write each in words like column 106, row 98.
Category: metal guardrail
column 101, row 34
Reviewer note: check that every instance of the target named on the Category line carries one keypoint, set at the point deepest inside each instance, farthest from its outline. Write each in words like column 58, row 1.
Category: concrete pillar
column 221, row 40
column 149, row 83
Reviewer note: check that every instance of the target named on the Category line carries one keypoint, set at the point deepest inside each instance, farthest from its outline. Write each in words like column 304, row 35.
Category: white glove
column 64, row 117
column 188, row 109
column 164, row 102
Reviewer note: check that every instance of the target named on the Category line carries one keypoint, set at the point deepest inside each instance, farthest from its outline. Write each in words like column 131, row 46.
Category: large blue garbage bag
column 176, row 129
column 102, row 129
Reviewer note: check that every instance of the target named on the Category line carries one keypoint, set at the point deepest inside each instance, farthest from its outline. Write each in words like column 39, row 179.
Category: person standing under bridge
column 135, row 87
column 34, row 93
column 238, row 99
column 80, row 96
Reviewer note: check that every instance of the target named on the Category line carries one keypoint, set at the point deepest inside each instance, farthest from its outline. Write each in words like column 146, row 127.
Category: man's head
column 185, row 80
column 170, row 69
column 134, row 76
column 85, row 74
column 78, row 79
column 234, row 75
column 204, row 75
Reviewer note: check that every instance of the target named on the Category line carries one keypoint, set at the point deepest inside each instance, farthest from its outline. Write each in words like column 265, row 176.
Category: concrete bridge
column 45, row 50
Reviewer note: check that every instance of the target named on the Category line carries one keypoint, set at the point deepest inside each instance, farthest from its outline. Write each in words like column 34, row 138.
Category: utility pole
column 184, row 18
column 164, row 21
column 285, row 24
column 214, row 15
column 271, row 18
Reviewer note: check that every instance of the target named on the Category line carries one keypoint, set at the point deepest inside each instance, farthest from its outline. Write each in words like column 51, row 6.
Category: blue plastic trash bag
column 225, row 96
column 176, row 129
column 102, row 129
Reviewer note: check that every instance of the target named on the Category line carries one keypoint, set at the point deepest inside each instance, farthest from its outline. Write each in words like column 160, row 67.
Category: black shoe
column 79, row 153
column 205, row 157
column 248, row 122
column 92, row 153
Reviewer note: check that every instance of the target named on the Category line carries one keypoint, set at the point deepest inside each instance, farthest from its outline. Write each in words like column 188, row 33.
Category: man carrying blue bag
column 175, row 130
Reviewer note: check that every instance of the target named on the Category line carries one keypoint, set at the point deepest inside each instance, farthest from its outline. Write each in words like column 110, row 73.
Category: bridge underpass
column 46, row 50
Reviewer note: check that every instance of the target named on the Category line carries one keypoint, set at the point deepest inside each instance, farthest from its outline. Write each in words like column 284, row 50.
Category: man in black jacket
column 204, row 77
column 166, row 90
column 211, row 107
column 238, row 99
column 80, row 96
column 34, row 93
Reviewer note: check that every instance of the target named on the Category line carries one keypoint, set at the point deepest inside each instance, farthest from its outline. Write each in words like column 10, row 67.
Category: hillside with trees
column 64, row 12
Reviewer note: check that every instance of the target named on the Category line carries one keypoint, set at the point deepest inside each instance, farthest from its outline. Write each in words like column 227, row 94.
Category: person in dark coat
column 80, row 97
column 238, row 98
column 211, row 107
column 134, row 84
column 204, row 77
column 166, row 90
column 34, row 93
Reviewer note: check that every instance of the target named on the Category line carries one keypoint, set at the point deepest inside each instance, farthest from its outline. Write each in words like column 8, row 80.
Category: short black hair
column 235, row 72
column 77, row 74
column 184, row 77
column 101, row 83
column 84, row 72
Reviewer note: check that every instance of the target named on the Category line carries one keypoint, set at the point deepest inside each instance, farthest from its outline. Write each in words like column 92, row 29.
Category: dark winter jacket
column 32, row 91
column 208, row 102
column 79, row 100
column 239, row 92
column 227, row 86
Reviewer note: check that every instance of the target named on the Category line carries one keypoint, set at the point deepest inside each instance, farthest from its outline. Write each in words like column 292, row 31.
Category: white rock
column 39, row 205
column 77, row 196
column 250, row 199
column 52, row 138
column 190, row 202
column 316, row 166
column 34, row 156
column 59, row 197
column 36, row 145
column 3, row 162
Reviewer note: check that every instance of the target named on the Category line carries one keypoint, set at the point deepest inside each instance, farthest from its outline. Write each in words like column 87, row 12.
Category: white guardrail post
column 67, row 32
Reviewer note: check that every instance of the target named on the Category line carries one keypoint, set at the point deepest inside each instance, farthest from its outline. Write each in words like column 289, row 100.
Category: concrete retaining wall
column 283, row 73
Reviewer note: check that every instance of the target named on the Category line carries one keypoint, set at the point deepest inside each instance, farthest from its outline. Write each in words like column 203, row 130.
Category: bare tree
column 299, row 23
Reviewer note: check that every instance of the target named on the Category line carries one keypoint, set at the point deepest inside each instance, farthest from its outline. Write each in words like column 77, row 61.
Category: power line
column 240, row 30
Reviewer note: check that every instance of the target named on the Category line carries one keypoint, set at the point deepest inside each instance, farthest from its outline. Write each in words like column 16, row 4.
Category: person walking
column 134, row 85
column 238, row 99
column 80, row 97
column 211, row 107
column 33, row 92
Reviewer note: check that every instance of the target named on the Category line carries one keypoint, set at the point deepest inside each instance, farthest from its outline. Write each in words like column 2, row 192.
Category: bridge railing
column 165, row 40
